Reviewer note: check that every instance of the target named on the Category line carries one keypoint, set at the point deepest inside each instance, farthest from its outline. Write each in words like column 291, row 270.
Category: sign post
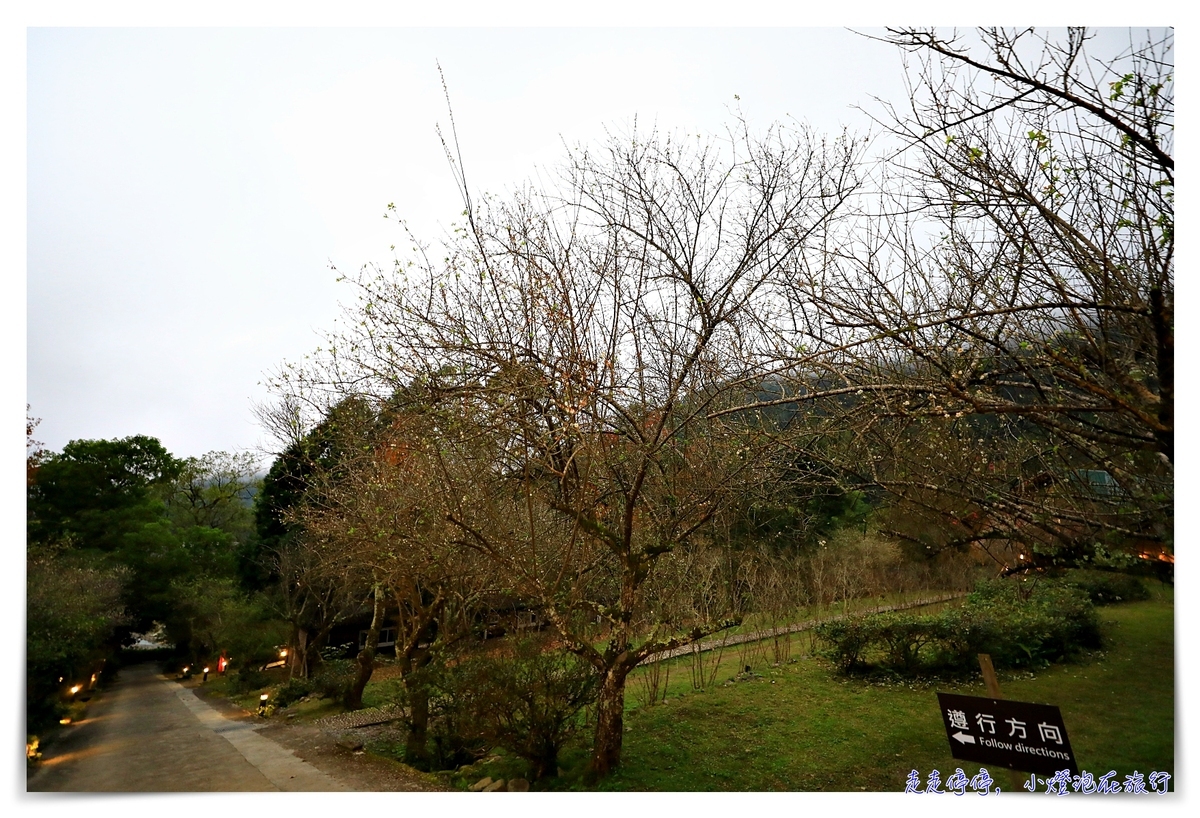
column 1018, row 735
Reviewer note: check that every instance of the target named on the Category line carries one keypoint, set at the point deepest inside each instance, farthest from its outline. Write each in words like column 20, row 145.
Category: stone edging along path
column 280, row 765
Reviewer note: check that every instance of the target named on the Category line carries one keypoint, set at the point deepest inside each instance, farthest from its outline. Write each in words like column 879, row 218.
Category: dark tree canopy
column 129, row 505
column 291, row 474
column 96, row 491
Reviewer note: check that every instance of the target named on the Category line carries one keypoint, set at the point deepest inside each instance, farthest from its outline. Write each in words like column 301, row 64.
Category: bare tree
column 587, row 334
column 383, row 505
column 999, row 330
column 316, row 590
column 316, row 582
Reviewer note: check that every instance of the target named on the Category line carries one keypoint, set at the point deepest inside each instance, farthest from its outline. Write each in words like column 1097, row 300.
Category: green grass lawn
column 800, row 727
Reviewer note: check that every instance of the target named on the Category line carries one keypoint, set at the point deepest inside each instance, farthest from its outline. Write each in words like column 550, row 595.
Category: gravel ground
column 360, row 718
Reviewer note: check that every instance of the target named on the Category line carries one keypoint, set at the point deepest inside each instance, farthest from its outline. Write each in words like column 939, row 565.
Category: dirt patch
column 357, row 770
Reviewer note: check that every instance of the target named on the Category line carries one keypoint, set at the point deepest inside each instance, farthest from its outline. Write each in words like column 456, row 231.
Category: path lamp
column 262, row 705
column 74, row 689
column 205, row 679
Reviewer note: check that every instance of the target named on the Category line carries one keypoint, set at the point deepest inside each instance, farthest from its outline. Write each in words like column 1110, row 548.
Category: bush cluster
column 247, row 678
column 1019, row 624
column 529, row 702
column 1108, row 587
column 293, row 690
column 330, row 680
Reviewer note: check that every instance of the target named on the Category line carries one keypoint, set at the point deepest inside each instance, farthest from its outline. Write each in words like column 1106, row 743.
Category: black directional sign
column 1019, row 735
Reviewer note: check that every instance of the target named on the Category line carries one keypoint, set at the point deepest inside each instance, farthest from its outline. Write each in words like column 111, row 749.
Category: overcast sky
column 188, row 189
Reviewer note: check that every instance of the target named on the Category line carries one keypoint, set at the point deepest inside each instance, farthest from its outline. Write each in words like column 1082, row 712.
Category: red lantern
column 222, row 663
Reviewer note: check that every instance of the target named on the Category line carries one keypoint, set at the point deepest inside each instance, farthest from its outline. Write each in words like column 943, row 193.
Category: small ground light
column 262, row 705
column 75, row 689
column 205, row 679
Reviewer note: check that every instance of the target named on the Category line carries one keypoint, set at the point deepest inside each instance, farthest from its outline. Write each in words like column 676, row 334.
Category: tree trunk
column 299, row 653
column 366, row 656
column 307, row 654
column 412, row 660
column 415, row 750
column 545, row 764
column 610, row 722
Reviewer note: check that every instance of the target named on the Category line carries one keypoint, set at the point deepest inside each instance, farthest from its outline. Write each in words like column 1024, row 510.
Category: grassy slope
column 811, row 730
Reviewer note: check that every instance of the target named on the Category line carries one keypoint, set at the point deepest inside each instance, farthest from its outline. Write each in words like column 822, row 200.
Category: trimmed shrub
column 528, row 702
column 1107, row 587
column 1035, row 622
column 1019, row 624
column 903, row 638
column 846, row 640
column 249, row 678
column 965, row 633
column 456, row 736
column 293, row 690
column 332, row 679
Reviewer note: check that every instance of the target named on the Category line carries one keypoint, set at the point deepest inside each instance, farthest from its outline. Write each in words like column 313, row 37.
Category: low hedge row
column 1108, row 587
column 1019, row 627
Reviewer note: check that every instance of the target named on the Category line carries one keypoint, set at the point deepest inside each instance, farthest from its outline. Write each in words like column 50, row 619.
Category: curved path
column 147, row 734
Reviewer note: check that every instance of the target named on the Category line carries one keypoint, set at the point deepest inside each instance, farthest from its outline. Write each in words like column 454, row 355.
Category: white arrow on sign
column 964, row 738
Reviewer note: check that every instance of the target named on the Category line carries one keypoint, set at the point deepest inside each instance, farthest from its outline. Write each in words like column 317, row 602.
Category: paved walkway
column 147, row 734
